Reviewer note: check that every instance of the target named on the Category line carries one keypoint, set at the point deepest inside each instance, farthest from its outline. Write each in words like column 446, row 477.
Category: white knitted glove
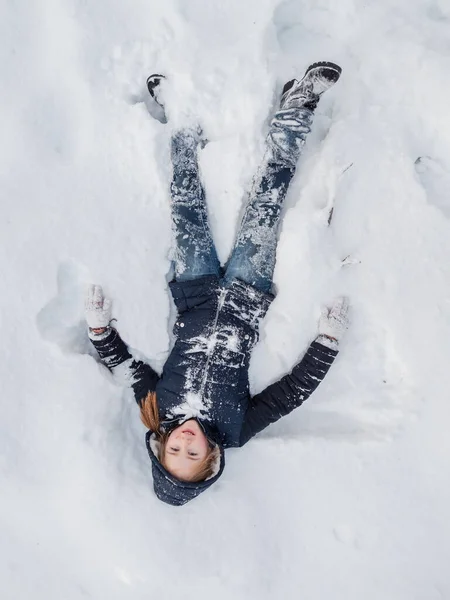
column 333, row 323
column 98, row 309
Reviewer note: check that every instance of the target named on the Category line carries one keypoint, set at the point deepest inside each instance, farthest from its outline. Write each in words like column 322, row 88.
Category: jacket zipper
column 221, row 301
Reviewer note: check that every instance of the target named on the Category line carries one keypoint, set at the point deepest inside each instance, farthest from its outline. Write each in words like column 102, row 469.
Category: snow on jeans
column 253, row 257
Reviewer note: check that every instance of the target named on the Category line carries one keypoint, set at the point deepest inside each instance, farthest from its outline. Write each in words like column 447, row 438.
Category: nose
column 185, row 437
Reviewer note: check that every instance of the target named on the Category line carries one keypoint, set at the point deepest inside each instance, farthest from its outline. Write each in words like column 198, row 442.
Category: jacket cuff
column 327, row 342
column 96, row 337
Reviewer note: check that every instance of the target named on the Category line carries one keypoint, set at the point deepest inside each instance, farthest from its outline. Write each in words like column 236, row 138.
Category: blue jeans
column 253, row 257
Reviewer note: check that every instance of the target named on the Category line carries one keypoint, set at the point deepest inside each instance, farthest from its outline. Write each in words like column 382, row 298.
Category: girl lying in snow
column 201, row 403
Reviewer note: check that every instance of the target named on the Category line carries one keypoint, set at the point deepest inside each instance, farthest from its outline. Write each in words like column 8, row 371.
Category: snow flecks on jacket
column 193, row 407
column 227, row 339
column 124, row 373
column 206, row 374
column 207, row 355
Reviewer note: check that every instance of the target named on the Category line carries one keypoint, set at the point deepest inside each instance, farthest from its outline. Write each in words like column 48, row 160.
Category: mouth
column 188, row 432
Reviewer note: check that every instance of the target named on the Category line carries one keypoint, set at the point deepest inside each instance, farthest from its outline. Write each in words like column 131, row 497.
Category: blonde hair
column 150, row 418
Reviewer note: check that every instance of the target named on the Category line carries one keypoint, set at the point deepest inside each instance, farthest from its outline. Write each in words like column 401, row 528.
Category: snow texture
column 348, row 497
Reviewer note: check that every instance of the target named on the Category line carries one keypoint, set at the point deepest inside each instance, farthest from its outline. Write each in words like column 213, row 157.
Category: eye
column 193, row 454
column 174, row 449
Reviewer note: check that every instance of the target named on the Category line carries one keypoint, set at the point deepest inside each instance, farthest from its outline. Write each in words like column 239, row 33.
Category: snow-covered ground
column 349, row 497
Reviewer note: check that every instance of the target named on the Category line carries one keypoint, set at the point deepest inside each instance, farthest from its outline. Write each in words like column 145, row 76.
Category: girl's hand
column 98, row 309
column 334, row 320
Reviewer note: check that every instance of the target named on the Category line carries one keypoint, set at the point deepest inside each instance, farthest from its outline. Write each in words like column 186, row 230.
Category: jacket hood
column 168, row 488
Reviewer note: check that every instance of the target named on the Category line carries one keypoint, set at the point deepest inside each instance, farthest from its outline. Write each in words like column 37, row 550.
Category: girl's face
column 186, row 448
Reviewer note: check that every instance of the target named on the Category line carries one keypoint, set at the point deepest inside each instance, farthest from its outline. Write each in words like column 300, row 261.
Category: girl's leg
column 253, row 257
column 195, row 253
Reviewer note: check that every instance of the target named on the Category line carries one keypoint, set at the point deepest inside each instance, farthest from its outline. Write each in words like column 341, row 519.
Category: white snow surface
column 347, row 498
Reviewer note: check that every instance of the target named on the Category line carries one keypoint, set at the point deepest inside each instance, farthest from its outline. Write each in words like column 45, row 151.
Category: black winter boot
column 153, row 86
column 306, row 93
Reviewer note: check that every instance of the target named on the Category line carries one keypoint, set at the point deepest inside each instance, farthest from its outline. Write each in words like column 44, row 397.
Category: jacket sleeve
column 127, row 370
column 280, row 398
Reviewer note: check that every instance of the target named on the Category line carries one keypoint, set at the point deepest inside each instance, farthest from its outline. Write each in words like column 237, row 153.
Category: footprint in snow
column 435, row 179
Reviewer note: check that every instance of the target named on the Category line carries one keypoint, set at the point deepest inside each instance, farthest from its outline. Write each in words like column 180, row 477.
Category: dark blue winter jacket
column 206, row 374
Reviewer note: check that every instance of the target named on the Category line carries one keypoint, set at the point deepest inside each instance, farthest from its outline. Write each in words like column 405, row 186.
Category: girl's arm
column 280, row 398
column 112, row 350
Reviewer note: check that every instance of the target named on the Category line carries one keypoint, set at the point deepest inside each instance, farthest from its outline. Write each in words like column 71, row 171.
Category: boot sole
column 333, row 69
column 152, row 83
